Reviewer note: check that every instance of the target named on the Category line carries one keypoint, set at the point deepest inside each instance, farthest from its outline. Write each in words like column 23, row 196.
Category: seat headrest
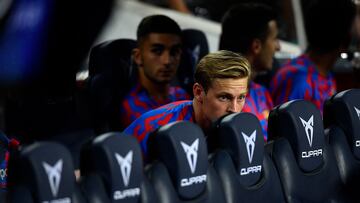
column 241, row 136
column 182, row 148
column 343, row 110
column 112, row 54
column 47, row 170
column 195, row 47
column 196, row 41
column 301, row 123
column 117, row 158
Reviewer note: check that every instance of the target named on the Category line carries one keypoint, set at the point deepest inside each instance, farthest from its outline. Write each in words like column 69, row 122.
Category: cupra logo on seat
column 54, row 175
column 191, row 153
column 125, row 166
column 309, row 128
column 250, row 144
column 196, row 53
column 357, row 111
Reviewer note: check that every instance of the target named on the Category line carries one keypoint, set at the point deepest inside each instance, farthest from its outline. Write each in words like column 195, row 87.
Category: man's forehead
column 162, row 37
column 227, row 84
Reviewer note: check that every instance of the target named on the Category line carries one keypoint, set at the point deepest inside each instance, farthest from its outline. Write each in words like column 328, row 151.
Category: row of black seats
column 302, row 162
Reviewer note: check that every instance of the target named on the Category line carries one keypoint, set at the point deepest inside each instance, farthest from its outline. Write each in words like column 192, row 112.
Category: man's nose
column 166, row 58
column 234, row 107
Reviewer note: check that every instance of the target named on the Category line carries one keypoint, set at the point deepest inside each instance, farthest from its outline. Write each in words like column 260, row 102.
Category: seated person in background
column 328, row 27
column 257, row 40
column 221, row 84
column 157, row 56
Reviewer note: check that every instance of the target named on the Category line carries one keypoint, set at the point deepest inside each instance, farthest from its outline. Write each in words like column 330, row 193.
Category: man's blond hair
column 221, row 64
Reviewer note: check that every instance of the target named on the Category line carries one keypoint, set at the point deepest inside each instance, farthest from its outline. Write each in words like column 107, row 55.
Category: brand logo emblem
column 196, row 53
column 3, row 173
column 250, row 144
column 125, row 166
column 54, row 175
column 191, row 154
column 357, row 111
column 309, row 128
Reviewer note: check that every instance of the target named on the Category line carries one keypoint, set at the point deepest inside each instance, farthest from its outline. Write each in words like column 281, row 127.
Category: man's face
column 264, row 59
column 225, row 96
column 158, row 56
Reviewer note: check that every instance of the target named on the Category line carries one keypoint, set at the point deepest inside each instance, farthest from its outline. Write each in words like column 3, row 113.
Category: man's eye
column 223, row 98
column 241, row 97
column 175, row 52
column 156, row 51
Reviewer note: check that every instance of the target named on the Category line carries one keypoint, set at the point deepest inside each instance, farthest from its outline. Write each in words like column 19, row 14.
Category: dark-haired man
column 328, row 27
column 157, row 56
column 251, row 29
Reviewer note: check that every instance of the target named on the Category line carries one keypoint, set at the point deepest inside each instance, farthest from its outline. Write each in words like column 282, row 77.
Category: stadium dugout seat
column 111, row 75
column 112, row 171
column 246, row 171
column 111, row 55
column 43, row 172
column 195, row 47
column 342, row 120
column 180, row 171
column 304, row 160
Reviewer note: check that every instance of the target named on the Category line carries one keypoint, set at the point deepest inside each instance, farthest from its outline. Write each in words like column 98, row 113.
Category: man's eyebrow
column 157, row 45
column 178, row 45
column 224, row 94
column 229, row 94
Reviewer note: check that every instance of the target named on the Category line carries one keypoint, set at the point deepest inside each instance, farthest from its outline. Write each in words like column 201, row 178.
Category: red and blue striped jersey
column 152, row 120
column 258, row 101
column 3, row 171
column 10, row 144
column 138, row 101
column 299, row 79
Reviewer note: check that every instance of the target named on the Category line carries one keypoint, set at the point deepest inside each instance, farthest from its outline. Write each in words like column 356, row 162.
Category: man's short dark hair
column 157, row 24
column 243, row 23
column 328, row 24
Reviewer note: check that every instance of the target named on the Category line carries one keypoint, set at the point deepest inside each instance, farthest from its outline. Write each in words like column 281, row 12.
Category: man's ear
column 198, row 92
column 137, row 57
column 256, row 46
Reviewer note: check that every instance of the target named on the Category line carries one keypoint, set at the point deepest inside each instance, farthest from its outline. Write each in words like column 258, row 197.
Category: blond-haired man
column 221, row 84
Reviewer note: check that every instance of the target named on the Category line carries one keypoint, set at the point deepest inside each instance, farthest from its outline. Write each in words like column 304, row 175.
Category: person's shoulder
column 176, row 105
column 142, row 124
column 298, row 65
column 260, row 90
column 177, row 90
column 257, row 87
column 135, row 92
column 291, row 72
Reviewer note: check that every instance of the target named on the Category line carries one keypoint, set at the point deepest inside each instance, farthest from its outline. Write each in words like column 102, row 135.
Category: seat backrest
column 195, row 47
column 305, row 162
column 182, row 172
column 343, row 110
column 246, row 171
column 342, row 119
column 111, row 75
column 112, row 170
column 110, row 54
column 43, row 172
